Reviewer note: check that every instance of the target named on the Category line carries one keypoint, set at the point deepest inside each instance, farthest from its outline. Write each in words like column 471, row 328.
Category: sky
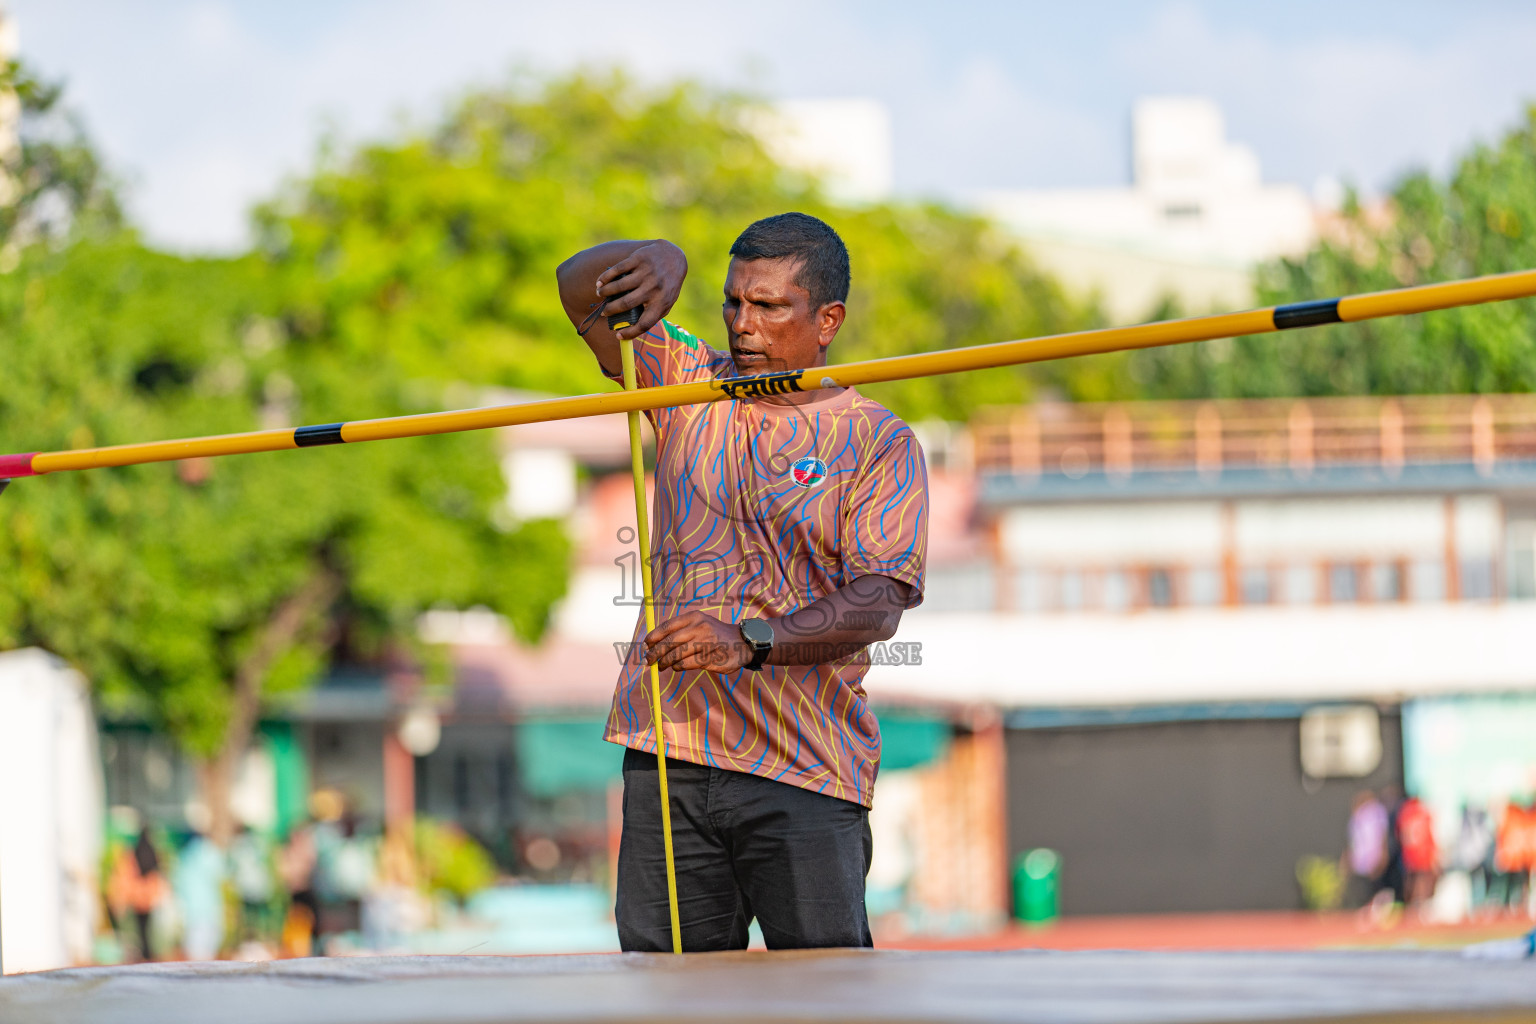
column 204, row 107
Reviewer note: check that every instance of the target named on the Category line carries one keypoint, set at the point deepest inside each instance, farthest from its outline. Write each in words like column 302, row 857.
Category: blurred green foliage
column 1323, row 883
column 451, row 861
column 51, row 182
column 160, row 580
column 1481, row 221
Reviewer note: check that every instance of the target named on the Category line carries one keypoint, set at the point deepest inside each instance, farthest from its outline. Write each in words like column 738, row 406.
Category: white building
column 845, row 142
column 50, row 814
column 1194, row 222
column 1186, row 610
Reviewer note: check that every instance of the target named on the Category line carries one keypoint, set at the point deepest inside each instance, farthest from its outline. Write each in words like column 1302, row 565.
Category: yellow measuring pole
column 643, row 534
column 1398, row 302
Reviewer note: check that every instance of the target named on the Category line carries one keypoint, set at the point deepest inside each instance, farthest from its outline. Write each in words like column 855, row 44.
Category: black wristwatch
column 758, row 636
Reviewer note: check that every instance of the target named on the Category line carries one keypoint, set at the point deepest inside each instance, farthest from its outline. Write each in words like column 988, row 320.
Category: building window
column 1256, row 585
column 1300, row 584
column 1073, row 591
column 1477, row 579
column 1160, row 588
column 1426, row 580
column 960, row 588
column 1387, row 581
column 1117, row 590
column 1520, row 548
column 461, row 783
column 1343, row 583
column 506, row 777
column 1204, row 586
column 1029, row 590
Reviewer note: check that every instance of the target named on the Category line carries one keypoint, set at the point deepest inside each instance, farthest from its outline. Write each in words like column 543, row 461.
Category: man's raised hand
column 615, row 277
column 650, row 277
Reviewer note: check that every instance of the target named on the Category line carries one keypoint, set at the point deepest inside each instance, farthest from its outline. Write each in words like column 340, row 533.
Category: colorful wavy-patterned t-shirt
column 760, row 510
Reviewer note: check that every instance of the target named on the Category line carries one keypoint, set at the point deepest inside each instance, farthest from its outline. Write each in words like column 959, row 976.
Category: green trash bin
column 1036, row 876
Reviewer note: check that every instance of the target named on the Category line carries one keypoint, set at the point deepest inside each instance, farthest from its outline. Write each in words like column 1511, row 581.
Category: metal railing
column 1124, row 438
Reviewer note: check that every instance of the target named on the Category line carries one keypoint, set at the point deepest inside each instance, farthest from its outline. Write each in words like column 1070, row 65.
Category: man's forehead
column 777, row 276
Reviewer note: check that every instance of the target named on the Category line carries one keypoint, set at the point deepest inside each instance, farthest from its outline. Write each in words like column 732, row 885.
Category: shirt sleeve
column 667, row 354
column 885, row 525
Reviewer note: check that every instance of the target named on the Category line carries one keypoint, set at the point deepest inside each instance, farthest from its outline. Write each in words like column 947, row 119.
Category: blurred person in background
column 1393, row 876
column 1365, row 851
column 1515, row 852
column 347, row 866
column 327, row 807
column 1421, row 857
column 251, row 872
column 199, row 886
column 144, row 888
column 296, row 867
column 393, row 907
column 1473, row 852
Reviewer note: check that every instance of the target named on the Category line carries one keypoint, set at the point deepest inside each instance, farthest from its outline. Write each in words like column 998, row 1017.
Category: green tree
column 444, row 243
column 52, row 183
column 192, row 591
column 1481, row 221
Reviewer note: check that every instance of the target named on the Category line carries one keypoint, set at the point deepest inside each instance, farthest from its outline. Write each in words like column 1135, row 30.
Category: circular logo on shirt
column 808, row 472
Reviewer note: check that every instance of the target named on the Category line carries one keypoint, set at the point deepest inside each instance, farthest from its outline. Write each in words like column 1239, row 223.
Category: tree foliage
column 1481, row 221
column 52, row 182
column 161, row 581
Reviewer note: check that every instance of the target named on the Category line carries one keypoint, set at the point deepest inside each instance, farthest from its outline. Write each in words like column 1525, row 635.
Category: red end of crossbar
column 12, row 466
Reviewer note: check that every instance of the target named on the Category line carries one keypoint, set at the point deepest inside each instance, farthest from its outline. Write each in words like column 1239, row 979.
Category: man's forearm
column 578, row 274
column 616, row 277
column 841, row 624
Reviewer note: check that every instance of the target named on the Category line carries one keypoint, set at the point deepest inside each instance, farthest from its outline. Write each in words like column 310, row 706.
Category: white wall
column 1195, row 655
column 51, row 810
column 1340, row 528
column 1107, row 534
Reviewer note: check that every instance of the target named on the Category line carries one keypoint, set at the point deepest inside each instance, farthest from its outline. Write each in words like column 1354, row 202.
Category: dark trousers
column 745, row 847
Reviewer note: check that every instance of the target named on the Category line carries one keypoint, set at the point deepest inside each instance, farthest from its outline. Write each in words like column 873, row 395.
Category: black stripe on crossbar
column 1307, row 314
column 325, row 433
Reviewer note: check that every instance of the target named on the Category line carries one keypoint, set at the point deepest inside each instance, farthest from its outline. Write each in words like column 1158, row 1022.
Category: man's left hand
column 694, row 640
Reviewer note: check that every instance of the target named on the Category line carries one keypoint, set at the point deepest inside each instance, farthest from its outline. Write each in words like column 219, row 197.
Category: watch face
column 756, row 632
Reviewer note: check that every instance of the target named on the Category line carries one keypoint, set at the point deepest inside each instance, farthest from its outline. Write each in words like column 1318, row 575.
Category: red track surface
column 1255, row 931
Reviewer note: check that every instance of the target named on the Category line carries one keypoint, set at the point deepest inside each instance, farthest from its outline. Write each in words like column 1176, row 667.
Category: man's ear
column 830, row 319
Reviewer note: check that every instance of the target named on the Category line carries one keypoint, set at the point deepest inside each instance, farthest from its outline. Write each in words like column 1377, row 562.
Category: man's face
column 769, row 320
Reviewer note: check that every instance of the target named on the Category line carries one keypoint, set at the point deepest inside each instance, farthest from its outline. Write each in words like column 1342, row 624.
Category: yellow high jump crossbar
column 1350, row 309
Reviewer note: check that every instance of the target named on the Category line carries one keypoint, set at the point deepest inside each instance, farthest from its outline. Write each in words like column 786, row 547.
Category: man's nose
column 741, row 320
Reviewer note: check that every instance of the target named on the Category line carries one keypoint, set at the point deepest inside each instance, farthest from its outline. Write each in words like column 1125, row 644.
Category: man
column 790, row 533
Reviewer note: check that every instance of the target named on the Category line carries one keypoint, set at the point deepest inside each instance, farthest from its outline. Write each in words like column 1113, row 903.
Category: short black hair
column 823, row 257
